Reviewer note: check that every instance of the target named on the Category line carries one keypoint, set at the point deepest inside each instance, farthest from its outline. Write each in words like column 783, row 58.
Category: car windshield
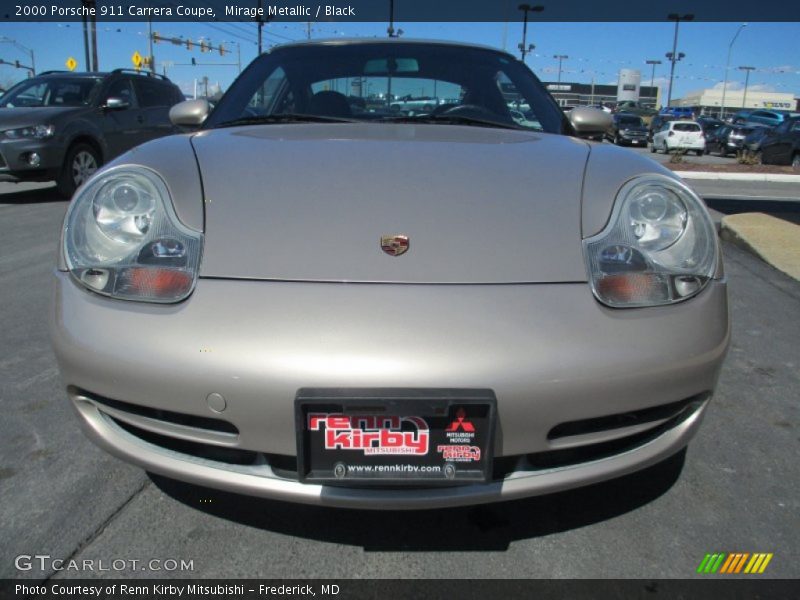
column 630, row 121
column 390, row 82
column 66, row 91
column 686, row 127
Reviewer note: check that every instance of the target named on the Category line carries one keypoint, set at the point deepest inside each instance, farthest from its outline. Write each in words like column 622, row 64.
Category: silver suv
column 62, row 126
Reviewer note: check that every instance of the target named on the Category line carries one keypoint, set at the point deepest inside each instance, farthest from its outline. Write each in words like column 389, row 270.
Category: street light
column 746, row 81
column 653, row 74
column 560, row 58
column 675, row 56
column 727, row 66
column 526, row 8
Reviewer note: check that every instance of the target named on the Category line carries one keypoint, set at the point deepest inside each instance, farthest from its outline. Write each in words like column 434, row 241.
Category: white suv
column 683, row 135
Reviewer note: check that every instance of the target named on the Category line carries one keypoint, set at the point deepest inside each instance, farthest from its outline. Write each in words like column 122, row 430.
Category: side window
column 265, row 98
column 151, row 93
column 122, row 89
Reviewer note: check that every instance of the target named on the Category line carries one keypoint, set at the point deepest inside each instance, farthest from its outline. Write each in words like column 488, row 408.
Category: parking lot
column 734, row 491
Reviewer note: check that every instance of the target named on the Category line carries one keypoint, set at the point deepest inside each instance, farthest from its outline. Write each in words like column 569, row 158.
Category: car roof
column 358, row 41
column 99, row 74
column 683, row 122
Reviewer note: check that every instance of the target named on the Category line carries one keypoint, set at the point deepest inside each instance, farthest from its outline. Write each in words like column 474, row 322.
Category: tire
column 616, row 140
column 653, row 147
column 722, row 151
column 699, row 152
column 81, row 161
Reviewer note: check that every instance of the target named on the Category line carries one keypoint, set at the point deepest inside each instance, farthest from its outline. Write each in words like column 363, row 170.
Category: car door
column 156, row 97
column 122, row 126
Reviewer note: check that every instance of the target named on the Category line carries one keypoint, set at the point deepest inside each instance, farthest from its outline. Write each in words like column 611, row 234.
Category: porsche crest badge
column 394, row 245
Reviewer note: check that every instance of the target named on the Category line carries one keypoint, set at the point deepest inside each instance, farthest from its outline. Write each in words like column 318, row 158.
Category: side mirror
column 589, row 122
column 115, row 103
column 190, row 113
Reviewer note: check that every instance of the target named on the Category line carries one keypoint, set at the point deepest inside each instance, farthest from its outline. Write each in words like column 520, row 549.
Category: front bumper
column 14, row 165
column 551, row 354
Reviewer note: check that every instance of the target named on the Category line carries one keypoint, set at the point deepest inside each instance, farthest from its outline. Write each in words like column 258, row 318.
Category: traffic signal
column 194, row 61
column 203, row 46
column 221, row 50
column 155, row 37
column 189, row 44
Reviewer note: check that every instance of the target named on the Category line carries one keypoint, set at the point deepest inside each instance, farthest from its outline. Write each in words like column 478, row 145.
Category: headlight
column 659, row 247
column 38, row 132
column 123, row 239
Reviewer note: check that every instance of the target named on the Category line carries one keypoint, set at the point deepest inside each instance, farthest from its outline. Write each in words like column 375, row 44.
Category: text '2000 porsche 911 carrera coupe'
column 388, row 274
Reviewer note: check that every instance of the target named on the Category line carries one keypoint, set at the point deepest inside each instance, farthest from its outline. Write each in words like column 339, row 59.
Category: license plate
column 388, row 437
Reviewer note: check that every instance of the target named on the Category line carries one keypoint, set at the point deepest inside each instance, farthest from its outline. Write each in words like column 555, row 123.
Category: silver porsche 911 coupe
column 388, row 274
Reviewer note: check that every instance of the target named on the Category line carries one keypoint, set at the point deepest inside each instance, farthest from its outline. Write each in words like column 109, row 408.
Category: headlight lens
column 123, row 239
column 659, row 247
column 38, row 132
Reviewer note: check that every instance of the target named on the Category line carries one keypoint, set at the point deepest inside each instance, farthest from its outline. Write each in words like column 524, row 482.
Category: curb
column 771, row 239
column 712, row 176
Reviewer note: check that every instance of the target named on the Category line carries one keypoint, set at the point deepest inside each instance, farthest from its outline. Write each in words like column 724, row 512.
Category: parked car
column 768, row 118
column 751, row 145
column 635, row 108
column 657, row 123
column 781, row 145
column 63, row 126
column 679, row 135
column 709, row 124
column 728, row 139
column 680, row 112
column 388, row 311
column 627, row 129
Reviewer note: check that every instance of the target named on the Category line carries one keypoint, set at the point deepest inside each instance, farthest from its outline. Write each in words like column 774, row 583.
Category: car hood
column 311, row 202
column 23, row 117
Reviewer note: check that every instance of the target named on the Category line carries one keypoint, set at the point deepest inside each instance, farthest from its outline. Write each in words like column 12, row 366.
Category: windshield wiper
column 283, row 118
column 452, row 120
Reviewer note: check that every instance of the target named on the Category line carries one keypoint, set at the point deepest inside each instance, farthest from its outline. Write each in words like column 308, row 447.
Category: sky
column 596, row 50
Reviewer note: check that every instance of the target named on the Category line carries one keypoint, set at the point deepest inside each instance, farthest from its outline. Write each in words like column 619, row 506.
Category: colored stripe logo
column 735, row 562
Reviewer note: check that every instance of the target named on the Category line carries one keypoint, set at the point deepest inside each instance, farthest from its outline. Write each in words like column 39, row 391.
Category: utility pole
column 653, row 78
column 85, row 19
column 390, row 29
column 95, row 62
column 560, row 58
column 260, row 26
column 746, row 81
column 150, row 38
column 675, row 56
column 523, row 47
column 727, row 66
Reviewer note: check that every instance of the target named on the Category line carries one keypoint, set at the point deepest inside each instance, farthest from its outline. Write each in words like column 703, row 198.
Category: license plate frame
column 387, row 428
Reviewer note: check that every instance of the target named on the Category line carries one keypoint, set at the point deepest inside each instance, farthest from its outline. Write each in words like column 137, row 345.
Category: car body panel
column 261, row 341
column 299, row 228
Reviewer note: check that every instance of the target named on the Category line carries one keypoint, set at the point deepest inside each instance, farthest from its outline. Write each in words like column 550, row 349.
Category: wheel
column 616, row 140
column 722, row 151
column 653, row 147
column 699, row 152
column 81, row 162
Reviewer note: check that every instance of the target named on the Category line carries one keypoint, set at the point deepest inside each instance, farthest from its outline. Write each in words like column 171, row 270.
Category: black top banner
column 398, row 10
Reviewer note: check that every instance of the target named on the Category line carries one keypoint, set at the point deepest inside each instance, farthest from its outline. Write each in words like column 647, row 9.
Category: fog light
column 34, row 159
column 686, row 286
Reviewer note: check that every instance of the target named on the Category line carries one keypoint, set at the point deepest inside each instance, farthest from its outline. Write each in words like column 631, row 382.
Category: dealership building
column 628, row 88
column 709, row 101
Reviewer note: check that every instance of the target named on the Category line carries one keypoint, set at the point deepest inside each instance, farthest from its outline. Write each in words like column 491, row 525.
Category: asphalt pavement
column 61, row 496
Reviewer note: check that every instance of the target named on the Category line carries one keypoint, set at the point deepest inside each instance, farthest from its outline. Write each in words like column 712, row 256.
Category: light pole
column 523, row 47
column 675, row 56
column 727, row 66
column 653, row 76
column 746, row 81
column 560, row 58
